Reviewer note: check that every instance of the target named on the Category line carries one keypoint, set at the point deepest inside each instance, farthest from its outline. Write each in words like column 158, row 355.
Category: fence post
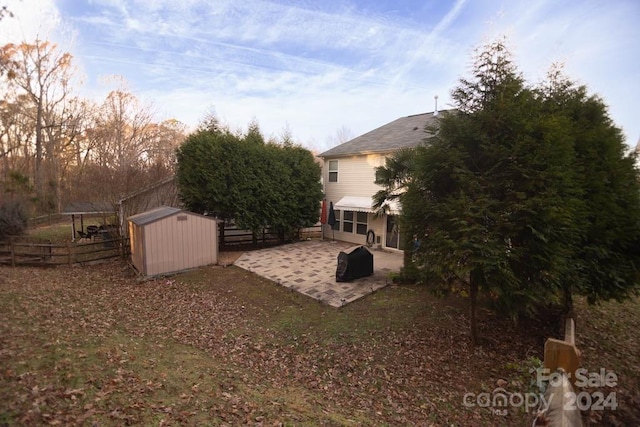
column 563, row 353
column 122, row 247
column 561, row 356
column 221, row 243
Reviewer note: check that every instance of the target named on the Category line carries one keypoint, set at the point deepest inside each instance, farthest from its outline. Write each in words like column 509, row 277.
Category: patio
column 309, row 267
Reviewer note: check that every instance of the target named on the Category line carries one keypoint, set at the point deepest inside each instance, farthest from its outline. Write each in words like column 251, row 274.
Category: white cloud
column 317, row 67
column 29, row 22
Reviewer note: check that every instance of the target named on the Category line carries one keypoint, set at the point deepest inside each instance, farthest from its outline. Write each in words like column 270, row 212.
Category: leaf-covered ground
column 93, row 345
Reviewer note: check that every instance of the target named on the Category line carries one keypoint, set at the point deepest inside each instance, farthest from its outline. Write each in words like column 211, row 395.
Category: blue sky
column 315, row 67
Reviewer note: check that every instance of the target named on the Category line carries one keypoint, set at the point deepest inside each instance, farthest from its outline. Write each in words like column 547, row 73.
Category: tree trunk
column 567, row 301
column 39, row 178
column 567, row 307
column 407, row 257
column 474, row 321
column 474, row 285
column 409, row 272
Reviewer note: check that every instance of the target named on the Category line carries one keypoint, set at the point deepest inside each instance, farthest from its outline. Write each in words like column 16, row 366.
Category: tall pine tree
column 607, row 256
column 522, row 195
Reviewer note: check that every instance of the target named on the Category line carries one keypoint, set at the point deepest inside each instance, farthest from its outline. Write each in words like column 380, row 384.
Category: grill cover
column 354, row 263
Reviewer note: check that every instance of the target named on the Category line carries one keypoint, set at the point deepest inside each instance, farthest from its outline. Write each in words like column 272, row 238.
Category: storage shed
column 166, row 240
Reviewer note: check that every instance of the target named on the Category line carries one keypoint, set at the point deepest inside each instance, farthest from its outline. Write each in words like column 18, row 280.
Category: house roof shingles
column 401, row 133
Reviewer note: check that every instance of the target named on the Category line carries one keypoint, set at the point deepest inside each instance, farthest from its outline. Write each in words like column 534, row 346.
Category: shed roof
column 153, row 215
column 404, row 132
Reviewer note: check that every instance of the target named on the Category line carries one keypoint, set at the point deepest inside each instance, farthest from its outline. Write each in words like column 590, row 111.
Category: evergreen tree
column 208, row 175
column 300, row 190
column 244, row 179
column 491, row 193
column 607, row 255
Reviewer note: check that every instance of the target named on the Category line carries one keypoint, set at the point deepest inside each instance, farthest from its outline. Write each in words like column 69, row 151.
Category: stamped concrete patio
column 309, row 267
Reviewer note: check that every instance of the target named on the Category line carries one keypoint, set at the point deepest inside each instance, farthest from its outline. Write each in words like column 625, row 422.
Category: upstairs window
column 333, row 171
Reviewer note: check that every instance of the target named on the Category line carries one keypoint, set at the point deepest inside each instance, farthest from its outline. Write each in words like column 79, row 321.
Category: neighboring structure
column 349, row 176
column 164, row 193
column 92, row 209
column 167, row 240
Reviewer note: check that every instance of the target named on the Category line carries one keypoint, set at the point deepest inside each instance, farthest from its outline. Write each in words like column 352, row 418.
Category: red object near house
column 323, row 213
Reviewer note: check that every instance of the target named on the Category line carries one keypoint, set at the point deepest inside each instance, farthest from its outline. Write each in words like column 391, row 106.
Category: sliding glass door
column 392, row 236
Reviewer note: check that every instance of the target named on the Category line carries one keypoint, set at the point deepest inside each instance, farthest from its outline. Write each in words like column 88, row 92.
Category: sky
column 325, row 70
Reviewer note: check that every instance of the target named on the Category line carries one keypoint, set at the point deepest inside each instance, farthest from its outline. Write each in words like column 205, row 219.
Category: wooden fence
column 15, row 252
column 40, row 253
column 232, row 236
column 47, row 219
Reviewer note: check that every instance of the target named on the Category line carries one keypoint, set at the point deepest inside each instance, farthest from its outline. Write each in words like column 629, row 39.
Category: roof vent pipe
column 435, row 111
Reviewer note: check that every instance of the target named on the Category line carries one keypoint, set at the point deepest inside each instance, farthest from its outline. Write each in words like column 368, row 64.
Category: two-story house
column 349, row 181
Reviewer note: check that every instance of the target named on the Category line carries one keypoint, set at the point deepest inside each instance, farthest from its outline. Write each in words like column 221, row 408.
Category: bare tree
column 16, row 136
column 123, row 125
column 71, row 148
column 42, row 73
column 126, row 150
column 343, row 134
column 162, row 140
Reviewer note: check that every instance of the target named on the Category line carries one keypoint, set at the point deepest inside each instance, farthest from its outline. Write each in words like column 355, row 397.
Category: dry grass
column 221, row 346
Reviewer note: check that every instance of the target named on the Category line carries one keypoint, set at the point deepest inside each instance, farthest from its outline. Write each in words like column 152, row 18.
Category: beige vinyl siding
column 377, row 225
column 373, row 223
column 356, row 176
column 174, row 243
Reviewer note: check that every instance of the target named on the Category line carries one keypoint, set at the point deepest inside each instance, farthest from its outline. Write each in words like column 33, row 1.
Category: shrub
column 13, row 218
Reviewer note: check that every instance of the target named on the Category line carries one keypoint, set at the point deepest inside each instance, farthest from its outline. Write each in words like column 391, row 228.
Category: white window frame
column 333, row 170
column 360, row 223
column 346, row 221
column 336, row 226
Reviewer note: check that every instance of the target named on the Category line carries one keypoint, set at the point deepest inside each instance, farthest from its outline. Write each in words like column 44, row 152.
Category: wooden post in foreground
column 563, row 353
column 561, row 356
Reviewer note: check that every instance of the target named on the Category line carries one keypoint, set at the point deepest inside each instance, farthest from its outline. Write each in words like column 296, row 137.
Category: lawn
column 60, row 232
column 93, row 345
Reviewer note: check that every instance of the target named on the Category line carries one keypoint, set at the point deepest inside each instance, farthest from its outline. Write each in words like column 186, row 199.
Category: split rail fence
column 16, row 252
column 21, row 253
column 232, row 236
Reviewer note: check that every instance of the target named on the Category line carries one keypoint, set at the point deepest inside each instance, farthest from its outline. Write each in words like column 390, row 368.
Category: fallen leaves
column 93, row 345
